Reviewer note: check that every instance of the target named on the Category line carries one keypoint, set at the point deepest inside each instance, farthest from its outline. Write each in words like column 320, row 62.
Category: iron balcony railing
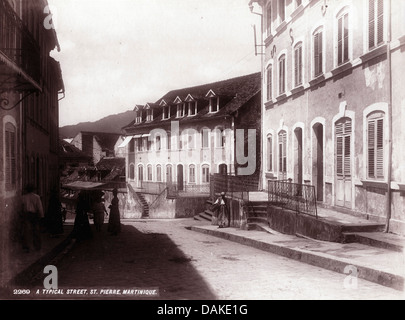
column 300, row 198
column 17, row 44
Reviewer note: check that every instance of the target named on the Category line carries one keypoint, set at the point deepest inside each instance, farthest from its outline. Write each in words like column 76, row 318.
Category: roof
column 106, row 140
column 68, row 151
column 233, row 94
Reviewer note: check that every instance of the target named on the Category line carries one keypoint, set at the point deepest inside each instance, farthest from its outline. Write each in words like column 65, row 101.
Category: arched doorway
column 318, row 160
column 180, row 177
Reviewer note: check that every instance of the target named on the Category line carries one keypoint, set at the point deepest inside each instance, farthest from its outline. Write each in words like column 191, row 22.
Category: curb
column 337, row 265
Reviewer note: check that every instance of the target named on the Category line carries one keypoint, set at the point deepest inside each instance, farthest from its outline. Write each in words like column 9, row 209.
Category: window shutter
column 340, row 40
column 347, row 164
column 346, row 37
column 339, row 156
column 371, row 150
column 371, row 24
column 380, row 149
column 316, row 54
column 380, row 22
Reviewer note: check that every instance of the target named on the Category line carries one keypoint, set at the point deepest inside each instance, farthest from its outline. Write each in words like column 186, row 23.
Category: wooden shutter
column 270, row 153
column 371, row 24
column 298, row 65
column 318, row 53
column 380, row 22
column 343, row 132
column 375, row 148
column 371, row 149
column 269, row 82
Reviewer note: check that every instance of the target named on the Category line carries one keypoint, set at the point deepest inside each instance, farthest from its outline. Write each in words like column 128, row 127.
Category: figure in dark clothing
column 114, row 222
column 81, row 229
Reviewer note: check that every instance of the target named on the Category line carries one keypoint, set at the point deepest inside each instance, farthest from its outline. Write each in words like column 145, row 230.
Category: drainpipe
column 389, row 119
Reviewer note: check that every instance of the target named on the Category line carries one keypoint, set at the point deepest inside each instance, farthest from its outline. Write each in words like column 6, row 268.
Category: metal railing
column 17, row 43
column 235, row 186
column 300, row 198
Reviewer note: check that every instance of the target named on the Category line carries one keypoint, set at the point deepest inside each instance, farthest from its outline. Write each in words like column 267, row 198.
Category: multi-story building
column 191, row 133
column 30, row 83
column 333, row 101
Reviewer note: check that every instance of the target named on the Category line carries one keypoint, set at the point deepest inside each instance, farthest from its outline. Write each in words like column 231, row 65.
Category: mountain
column 111, row 124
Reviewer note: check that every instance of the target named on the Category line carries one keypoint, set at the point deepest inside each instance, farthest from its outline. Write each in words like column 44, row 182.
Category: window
column 11, row 157
column 138, row 116
column 269, row 152
column 281, row 10
column 298, row 65
column 269, row 80
column 281, row 74
column 159, row 173
column 268, row 19
column 375, row 145
column 375, row 23
column 205, row 174
column 169, row 140
column 220, row 133
column 318, row 53
column 190, row 139
column 343, row 153
column 166, row 113
column 149, row 168
column 214, row 104
column 140, row 173
column 139, row 143
column 343, row 39
column 131, row 172
column 192, row 108
column 282, row 154
column 205, row 138
column 192, row 173
column 149, row 115
column 181, row 110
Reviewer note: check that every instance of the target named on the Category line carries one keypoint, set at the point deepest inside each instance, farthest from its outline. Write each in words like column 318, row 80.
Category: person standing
column 99, row 210
column 32, row 213
column 223, row 216
column 114, row 222
column 81, row 228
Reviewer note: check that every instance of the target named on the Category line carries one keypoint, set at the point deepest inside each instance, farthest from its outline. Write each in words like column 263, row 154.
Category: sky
column 119, row 53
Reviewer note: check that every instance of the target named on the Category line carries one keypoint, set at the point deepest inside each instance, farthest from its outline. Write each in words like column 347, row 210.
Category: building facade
column 333, row 102
column 191, row 133
column 30, row 84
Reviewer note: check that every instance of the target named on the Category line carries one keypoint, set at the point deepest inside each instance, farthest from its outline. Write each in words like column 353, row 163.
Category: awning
column 83, row 185
column 125, row 142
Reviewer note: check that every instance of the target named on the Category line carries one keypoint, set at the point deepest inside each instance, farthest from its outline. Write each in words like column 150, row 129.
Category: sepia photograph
column 202, row 155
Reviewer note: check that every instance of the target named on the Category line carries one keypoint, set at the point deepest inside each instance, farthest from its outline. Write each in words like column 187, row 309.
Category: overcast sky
column 118, row 53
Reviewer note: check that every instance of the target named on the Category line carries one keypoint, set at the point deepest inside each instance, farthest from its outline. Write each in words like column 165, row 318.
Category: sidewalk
column 19, row 268
column 379, row 265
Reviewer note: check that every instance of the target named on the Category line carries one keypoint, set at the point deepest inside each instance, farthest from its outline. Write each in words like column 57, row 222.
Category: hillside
column 112, row 124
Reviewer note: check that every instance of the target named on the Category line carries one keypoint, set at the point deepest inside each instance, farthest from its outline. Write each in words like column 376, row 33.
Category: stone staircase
column 144, row 203
column 207, row 215
column 257, row 215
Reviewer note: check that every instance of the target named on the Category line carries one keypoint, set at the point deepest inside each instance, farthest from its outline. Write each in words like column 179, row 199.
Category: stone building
column 333, row 102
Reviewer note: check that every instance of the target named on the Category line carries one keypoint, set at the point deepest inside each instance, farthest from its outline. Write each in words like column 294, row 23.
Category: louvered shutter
column 371, row 24
column 380, row 149
column 371, row 149
column 339, row 156
column 380, row 22
column 347, row 158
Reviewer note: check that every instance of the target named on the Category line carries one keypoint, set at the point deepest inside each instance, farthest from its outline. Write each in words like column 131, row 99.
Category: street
column 165, row 256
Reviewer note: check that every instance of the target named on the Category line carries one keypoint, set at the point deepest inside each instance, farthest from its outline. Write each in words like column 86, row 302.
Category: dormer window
column 214, row 104
column 166, row 113
column 181, row 110
column 138, row 116
column 149, row 115
column 192, row 108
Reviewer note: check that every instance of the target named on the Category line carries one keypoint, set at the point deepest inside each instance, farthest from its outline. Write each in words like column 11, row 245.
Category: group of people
column 33, row 217
column 82, row 230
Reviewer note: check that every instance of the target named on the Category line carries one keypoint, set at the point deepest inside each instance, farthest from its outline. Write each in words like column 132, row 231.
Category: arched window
column 205, row 178
column 281, row 74
column 191, row 170
column 282, row 154
column 149, row 169
column 298, row 64
column 269, row 82
column 159, row 173
column 317, row 52
column 270, row 152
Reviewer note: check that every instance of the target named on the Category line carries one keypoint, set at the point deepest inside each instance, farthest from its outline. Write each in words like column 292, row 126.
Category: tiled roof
column 107, row 141
column 68, row 151
column 233, row 93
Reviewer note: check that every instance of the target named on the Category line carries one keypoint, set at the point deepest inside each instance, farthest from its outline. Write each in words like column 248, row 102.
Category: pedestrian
column 99, row 211
column 54, row 215
column 32, row 214
column 223, row 212
column 81, row 228
column 114, row 222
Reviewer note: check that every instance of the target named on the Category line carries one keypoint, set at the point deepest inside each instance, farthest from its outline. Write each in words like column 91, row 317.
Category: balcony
column 19, row 53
